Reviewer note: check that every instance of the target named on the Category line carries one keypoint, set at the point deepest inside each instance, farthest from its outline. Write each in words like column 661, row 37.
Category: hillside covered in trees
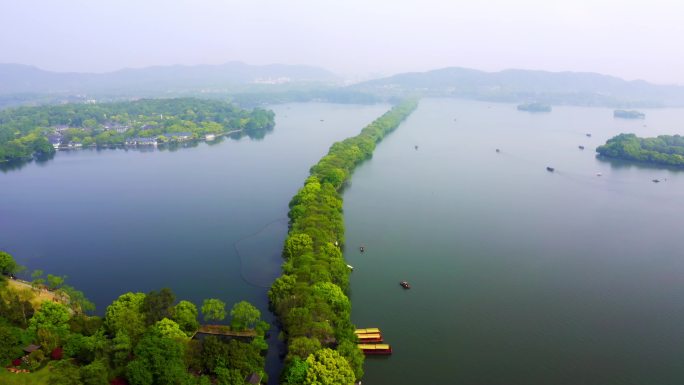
column 310, row 297
column 26, row 132
column 665, row 150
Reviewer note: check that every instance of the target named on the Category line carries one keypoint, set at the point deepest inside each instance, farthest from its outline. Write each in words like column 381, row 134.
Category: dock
column 223, row 330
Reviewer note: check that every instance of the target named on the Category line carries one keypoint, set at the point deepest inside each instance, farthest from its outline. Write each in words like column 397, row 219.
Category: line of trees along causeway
column 310, row 298
column 667, row 150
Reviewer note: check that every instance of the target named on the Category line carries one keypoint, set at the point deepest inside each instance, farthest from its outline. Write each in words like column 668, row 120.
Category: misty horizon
column 352, row 39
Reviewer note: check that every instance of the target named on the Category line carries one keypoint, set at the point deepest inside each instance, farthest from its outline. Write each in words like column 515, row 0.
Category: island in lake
column 665, row 150
column 534, row 107
column 631, row 114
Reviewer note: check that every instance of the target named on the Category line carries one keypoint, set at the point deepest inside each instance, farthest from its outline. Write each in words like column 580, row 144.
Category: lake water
column 207, row 221
column 519, row 276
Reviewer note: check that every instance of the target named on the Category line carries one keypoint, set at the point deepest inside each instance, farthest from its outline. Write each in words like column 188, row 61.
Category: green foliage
column 185, row 314
column 51, row 317
column 156, row 358
column 667, row 150
column 7, row 263
column 327, row 367
column 10, row 348
column 170, row 329
column 23, row 130
column 125, row 315
column 64, row 372
column 244, row 316
column 309, row 298
column 158, row 305
column 229, row 377
column 214, row 309
column 95, row 373
column 295, row 372
column 55, row 281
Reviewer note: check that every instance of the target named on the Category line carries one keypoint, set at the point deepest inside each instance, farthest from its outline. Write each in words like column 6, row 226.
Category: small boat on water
column 656, row 180
column 350, row 267
column 599, row 174
column 550, row 169
column 497, row 150
column 362, row 249
column 367, row 331
column 588, row 135
column 369, row 338
column 405, row 285
column 375, row 348
column 581, row 147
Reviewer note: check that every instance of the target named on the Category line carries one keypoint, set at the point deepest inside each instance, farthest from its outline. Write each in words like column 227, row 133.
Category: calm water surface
column 520, row 276
column 207, row 221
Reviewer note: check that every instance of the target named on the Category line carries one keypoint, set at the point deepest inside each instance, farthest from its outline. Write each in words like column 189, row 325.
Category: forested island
column 310, row 297
column 665, row 150
column 27, row 132
column 534, row 107
column 47, row 337
column 631, row 114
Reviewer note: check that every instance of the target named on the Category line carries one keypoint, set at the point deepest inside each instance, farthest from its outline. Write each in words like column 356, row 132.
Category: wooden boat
column 375, row 348
column 550, row 169
column 369, row 338
column 405, row 285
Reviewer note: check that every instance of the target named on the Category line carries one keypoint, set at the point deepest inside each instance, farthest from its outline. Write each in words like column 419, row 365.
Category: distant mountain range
column 17, row 78
column 21, row 84
column 575, row 88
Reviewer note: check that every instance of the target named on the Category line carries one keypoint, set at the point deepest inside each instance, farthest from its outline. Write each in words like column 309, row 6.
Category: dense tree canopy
column 664, row 150
column 24, row 131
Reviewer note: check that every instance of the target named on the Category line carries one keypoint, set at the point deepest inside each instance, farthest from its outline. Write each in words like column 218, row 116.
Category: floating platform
column 375, row 349
column 367, row 331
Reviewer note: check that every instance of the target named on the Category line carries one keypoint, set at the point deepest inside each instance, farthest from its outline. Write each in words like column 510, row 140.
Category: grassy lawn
column 38, row 296
column 39, row 377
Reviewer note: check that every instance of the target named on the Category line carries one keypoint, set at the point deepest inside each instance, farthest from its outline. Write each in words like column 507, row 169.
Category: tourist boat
column 367, row 331
column 369, row 338
column 581, row 147
column 550, row 169
column 375, row 348
column 405, row 285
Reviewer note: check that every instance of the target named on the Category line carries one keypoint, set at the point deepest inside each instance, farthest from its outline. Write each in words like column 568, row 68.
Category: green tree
column 125, row 315
column 170, row 329
column 51, row 316
column 65, row 373
column 226, row 376
column 185, row 314
column 7, row 263
column 213, row 309
column 95, row 373
column 302, row 347
column 158, row 358
column 327, row 367
column 244, row 315
column 55, row 281
column 295, row 372
column 158, row 305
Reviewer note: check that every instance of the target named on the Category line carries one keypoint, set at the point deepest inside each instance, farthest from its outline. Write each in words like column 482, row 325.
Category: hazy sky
column 630, row 39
